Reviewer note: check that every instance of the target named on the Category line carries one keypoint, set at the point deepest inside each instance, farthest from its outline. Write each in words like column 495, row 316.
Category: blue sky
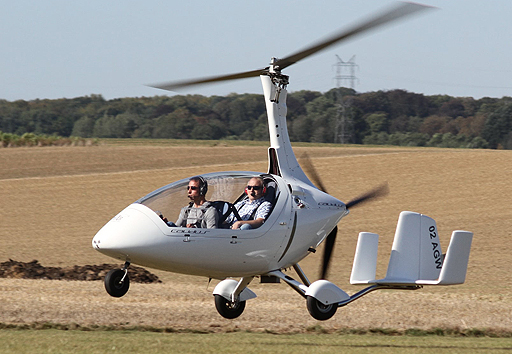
column 54, row 49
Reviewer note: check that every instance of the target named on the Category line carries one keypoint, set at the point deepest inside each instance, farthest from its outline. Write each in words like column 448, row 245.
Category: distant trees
column 394, row 117
column 497, row 130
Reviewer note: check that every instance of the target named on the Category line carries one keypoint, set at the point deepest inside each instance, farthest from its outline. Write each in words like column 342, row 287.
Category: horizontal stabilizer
column 416, row 257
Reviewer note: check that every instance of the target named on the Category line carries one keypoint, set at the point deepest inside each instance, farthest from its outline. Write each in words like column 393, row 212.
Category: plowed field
column 53, row 201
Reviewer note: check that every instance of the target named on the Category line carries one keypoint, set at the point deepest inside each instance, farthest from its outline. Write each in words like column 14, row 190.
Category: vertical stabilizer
column 365, row 260
column 416, row 252
column 457, row 257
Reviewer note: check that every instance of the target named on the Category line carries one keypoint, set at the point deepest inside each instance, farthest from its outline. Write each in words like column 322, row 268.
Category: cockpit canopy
column 225, row 186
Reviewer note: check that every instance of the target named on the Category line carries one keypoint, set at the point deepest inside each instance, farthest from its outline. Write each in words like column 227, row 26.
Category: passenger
column 199, row 213
column 253, row 210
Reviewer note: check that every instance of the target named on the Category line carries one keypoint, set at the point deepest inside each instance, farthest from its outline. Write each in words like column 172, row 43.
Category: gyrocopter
column 301, row 218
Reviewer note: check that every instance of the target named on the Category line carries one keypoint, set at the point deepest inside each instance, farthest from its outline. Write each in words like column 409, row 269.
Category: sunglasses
column 192, row 187
column 256, row 188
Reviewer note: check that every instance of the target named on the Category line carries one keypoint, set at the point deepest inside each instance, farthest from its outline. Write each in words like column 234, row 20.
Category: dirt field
column 53, row 201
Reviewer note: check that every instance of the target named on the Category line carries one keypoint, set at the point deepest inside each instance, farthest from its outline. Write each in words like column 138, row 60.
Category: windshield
column 225, row 186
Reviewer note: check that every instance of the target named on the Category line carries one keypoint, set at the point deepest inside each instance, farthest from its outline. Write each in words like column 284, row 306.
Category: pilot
column 253, row 210
column 199, row 213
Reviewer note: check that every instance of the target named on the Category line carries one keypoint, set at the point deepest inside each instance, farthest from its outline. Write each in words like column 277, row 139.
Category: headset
column 203, row 185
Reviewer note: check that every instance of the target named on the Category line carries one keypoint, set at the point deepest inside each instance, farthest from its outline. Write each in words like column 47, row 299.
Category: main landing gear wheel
column 320, row 311
column 228, row 309
column 117, row 282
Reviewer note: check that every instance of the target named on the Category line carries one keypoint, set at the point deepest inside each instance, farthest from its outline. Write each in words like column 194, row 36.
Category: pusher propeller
column 310, row 170
column 394, row 13
column 375, row 193
column 330, row 240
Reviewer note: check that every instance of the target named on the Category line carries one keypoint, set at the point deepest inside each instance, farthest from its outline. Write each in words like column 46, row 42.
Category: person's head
column 255, row 188
column 197, row 187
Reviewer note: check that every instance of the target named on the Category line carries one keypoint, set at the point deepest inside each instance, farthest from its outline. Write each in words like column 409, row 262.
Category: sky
column 64, row 49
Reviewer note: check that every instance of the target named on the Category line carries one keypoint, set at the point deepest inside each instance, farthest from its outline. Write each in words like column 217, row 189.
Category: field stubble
column 55, row 199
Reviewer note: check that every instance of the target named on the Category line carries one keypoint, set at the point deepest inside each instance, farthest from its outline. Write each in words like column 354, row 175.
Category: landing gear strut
column 117, row 281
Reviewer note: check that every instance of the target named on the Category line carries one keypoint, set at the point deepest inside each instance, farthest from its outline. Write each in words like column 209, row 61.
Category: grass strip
column 317, row 329
column 123, row 341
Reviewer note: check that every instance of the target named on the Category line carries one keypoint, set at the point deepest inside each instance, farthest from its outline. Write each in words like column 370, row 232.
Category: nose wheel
column 117, row 281
column 227, row 308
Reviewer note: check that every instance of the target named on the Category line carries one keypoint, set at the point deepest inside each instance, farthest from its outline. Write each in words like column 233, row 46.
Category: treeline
column 385, row 117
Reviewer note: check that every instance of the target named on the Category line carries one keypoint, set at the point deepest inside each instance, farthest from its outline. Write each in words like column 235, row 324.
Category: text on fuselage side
column 337, row 205
column 188, row 231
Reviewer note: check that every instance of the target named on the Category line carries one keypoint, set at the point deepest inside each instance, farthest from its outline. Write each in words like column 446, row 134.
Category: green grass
column 125, row 341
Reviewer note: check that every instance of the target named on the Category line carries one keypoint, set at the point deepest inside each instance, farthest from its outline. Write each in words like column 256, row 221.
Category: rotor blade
column 330, row 241
column 172, row 86
column 399, row 11
column 378, row 192
column 308, row 167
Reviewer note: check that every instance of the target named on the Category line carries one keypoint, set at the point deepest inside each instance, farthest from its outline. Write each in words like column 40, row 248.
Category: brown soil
column 34, row 270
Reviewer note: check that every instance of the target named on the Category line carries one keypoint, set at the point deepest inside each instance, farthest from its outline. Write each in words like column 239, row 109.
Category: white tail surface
column 455, row 264
column 416, row 252
column 416, row 256
column 365, row 260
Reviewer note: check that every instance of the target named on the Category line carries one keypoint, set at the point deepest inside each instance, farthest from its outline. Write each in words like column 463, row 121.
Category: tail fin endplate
column 416, row 256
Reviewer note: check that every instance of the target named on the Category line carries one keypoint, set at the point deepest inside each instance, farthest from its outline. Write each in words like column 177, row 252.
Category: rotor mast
column 282, row 160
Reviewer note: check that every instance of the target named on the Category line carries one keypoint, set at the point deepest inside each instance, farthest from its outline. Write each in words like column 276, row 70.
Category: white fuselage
column 301, row 219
